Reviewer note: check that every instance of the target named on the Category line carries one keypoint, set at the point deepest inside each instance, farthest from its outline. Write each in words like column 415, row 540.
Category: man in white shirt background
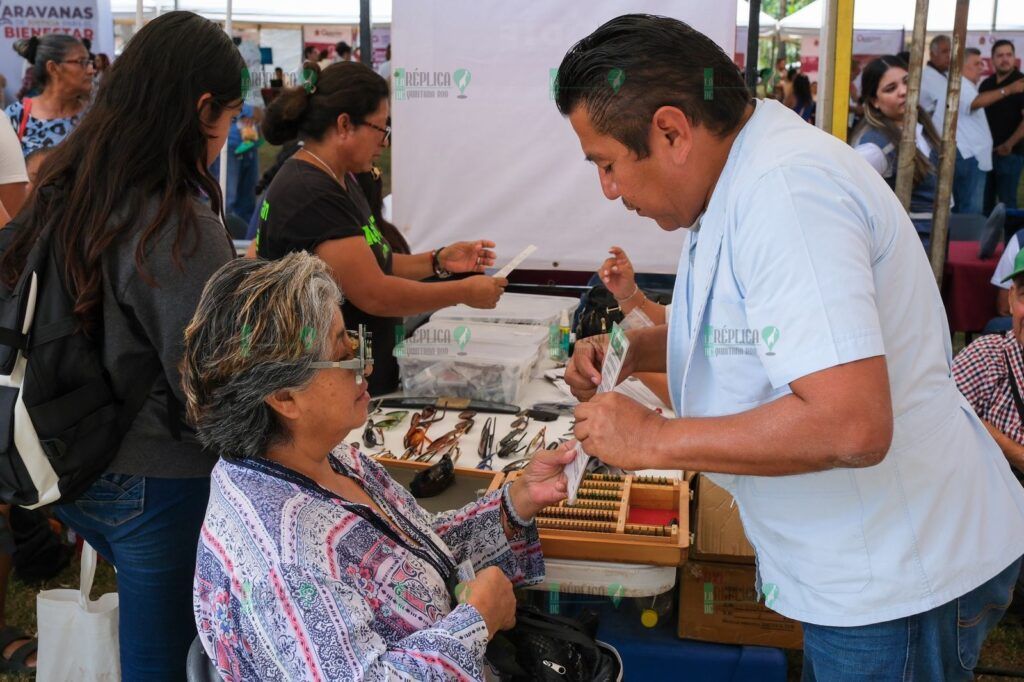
column 934, row 75
column 884, row 516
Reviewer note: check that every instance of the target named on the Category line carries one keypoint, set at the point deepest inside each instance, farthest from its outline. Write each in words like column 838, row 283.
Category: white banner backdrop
column 22, row 19
column 480, row 151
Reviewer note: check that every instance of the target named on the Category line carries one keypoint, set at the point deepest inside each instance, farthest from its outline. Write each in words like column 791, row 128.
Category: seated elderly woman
column 313, row 563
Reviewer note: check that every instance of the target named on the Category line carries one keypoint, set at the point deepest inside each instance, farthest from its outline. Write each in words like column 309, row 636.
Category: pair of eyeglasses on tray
column 415, row 439
column 359, row 344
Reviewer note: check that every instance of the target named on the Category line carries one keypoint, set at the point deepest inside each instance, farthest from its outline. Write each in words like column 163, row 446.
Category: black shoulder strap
column 1014, row 389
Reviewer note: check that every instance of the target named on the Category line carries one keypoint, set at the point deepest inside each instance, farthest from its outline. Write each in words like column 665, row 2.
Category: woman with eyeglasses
column 63, row 71
column 314, row 564
column 315, row 204
column 140, row 221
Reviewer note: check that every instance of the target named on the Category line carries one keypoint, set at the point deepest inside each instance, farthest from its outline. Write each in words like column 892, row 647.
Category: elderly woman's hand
column 543, row 481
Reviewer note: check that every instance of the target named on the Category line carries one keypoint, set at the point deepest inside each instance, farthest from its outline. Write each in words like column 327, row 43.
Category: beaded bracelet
column 510, row 511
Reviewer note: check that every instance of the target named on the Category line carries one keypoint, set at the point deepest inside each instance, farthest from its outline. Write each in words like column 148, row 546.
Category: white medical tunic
column 806, row 260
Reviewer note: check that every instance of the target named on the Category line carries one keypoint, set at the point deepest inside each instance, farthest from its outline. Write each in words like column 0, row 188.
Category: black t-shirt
column 305, row 207
column 1005, row 115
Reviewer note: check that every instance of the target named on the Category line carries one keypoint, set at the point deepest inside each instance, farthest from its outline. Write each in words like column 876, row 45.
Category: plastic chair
column 966, row 227
column 199, row 667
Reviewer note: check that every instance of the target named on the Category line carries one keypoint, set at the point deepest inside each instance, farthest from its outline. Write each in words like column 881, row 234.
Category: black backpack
column 60, row 422
column 543, row 647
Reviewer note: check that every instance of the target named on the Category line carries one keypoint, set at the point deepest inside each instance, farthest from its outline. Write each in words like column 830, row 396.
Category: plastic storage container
column 495, row 372
column 525, row 335
column 514, row 309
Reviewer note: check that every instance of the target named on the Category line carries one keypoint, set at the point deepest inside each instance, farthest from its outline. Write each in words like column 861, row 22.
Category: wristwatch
column 435, row 263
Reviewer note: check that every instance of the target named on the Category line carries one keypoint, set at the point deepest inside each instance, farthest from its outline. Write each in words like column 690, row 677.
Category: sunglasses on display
column 359, row 344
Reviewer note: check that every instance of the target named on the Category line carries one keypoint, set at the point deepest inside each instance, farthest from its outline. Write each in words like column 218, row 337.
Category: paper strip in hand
column 514, row 263
column 618, row 346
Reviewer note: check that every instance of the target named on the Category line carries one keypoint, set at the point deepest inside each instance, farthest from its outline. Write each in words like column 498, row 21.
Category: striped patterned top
column 294, row 583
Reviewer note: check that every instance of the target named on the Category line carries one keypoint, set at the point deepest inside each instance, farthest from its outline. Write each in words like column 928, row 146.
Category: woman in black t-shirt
column 315, row 204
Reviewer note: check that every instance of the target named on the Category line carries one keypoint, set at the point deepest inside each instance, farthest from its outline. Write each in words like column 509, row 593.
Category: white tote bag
column 77, row 636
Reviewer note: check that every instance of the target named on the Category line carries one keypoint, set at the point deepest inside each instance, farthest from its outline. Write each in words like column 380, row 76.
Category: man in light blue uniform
column 808, row 355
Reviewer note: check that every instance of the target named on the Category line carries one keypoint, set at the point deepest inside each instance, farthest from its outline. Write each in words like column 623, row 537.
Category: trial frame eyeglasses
column 386, row 130
column 359, row 341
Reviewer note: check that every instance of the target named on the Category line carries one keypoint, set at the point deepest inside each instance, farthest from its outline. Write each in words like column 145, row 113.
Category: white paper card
column 514, row 263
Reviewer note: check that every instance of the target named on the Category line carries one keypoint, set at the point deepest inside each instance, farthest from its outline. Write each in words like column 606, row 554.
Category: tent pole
column 995, row 13
column 365, row 39
column 138, row 15
column 224, row 150
column 753, row 36
column 908, row 142
column 947, row 159
column 835, row 48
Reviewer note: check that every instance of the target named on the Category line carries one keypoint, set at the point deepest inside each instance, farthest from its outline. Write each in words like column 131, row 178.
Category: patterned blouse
column 980, row 372
column 294, row 583
column 40, row 134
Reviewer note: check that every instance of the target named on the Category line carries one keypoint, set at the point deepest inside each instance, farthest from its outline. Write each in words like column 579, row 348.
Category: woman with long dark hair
column 877, row 136
column 62, row 72
column 804, row 104
column 315, row 204
column 139, row 219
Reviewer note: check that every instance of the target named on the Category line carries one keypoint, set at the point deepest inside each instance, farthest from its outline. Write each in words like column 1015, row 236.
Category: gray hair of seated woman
column 258, row 327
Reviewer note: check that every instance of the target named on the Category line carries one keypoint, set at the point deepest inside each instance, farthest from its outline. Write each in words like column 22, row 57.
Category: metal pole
column 908, row 142
column 224, row 149
column 138, row 15
column 947, row 159
column 365, row 39
column 835, row 48
column 753, row 35
column 995, row 13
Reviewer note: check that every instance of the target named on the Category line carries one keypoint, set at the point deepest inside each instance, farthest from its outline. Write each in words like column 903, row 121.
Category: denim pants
column 941, row 644
column 148, row 528
column 968, row 185
column 243, row 173
column 1003, row 181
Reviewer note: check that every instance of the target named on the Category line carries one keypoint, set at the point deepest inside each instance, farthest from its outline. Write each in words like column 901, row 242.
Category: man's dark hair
column 341, row 48
column 999, row 43
column 972, row 50
column 637, row 63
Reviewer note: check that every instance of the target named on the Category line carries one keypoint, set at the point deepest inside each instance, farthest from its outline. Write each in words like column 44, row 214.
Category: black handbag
column 547, row 648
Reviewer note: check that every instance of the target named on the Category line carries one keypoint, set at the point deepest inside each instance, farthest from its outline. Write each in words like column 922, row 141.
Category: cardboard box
column 717, row 603
column 718, row 531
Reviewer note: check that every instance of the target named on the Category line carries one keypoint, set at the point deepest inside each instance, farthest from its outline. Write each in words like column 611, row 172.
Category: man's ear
column 672, row 131
column 283, row 402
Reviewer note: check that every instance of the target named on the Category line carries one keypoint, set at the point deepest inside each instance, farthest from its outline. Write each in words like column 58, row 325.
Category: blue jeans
column 941, row 644
column 968, row 185
column 148, row 528
column 1003, row 181
column 243, row 173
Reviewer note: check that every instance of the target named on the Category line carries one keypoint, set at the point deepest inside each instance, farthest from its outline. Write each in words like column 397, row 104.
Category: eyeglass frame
column 386, row 130
column 363, row 359
column 84, row 62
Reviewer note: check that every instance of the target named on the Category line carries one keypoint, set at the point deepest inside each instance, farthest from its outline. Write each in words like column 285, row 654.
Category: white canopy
column 766, row 23
column 267, row 12
column 897, row 15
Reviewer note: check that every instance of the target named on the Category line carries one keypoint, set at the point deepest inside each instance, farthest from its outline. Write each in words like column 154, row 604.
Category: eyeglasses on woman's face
column 84, row 62
column 359, row 355
column 386, row 140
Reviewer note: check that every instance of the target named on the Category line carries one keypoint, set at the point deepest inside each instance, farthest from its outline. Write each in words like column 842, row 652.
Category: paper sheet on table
column 514, row 263
column 618, row 346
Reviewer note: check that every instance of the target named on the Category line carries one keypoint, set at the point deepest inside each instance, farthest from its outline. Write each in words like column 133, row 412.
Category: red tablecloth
column 967, row 289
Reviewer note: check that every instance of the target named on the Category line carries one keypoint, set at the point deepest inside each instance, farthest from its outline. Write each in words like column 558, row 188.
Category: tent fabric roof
column 268, row 11
column 766, row 22
column 896, row 15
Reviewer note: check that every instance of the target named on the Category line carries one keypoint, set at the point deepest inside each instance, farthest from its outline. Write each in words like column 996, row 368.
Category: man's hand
column 583, row 373
column 618, row 430
column 1004, row 149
